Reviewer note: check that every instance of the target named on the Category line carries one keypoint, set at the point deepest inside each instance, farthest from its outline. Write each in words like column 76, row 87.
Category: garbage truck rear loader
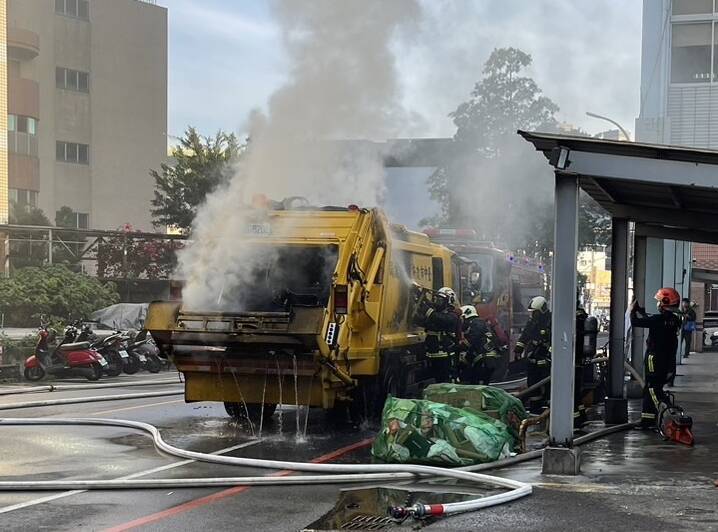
column 324, row 318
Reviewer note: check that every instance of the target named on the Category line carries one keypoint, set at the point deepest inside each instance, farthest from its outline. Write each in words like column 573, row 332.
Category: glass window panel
column 83, row 220
column 692, row 7
column 83, row 9
column 72, row 81
column 71, row 152
column 21, row 124
column 691, row 53
column 59, row 6
column 32, row 198
column 11, row 121
column 60, row 151
column 83, row 153
column 82, row 81
column 12, row 194
column 32, row 126
column 71, row 7
column 60, row 77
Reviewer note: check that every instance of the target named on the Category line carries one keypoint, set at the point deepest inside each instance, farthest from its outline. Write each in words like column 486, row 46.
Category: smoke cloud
column 342, row 84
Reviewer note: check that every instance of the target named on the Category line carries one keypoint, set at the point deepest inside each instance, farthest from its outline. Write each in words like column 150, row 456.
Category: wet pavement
column 629, row 481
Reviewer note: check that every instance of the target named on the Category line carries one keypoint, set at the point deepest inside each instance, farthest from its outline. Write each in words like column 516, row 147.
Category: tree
column 27, row 248
column 495, row 183
column 122, row 257
column 502, row 102
column 53, row 291
column 200, row 165
column 73, row 243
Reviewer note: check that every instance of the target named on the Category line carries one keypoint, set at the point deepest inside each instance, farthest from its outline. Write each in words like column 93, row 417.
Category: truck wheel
column 35, row 373
column 238, row 412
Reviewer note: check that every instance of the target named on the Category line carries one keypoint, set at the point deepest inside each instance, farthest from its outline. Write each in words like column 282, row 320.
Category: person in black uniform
column 661, row 347
column 482, row 354
column 535, row 340
column 441, row 316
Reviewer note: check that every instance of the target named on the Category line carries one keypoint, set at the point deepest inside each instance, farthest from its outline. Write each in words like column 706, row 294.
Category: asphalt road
column 630, row 481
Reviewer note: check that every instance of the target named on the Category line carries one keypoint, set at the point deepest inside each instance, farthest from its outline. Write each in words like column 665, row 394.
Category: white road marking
column 134, row 407
column 173, row 465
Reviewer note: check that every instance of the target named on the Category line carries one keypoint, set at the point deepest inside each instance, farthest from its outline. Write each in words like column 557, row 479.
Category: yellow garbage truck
column 325, row 317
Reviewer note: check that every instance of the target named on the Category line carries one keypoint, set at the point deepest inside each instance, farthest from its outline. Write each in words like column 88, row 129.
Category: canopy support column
column 560, row 457
column 616, row 404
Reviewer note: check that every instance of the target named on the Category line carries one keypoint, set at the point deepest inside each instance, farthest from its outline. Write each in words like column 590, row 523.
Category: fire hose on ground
column 340, row 473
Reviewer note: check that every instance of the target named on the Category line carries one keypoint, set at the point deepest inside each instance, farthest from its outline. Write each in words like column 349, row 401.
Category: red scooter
column 68, row 359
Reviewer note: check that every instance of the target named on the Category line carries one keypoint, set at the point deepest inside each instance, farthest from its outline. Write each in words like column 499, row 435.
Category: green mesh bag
column 424, row 432
column 491, row 401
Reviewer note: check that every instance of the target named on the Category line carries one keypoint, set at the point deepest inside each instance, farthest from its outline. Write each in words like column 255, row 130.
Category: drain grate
column 368, row 522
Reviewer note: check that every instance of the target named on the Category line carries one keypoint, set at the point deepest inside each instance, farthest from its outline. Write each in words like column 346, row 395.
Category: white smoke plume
column 342, row 84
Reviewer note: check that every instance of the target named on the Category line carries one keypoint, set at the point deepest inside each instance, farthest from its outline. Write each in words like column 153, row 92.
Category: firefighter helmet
column 449, row 294
column 538, row 303
column 468, row 312
column 668, row 297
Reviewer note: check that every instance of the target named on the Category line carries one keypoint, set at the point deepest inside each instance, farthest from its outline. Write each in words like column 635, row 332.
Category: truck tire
column 238, row 412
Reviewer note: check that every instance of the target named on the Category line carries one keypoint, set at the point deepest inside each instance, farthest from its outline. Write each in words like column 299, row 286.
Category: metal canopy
column 672, row 191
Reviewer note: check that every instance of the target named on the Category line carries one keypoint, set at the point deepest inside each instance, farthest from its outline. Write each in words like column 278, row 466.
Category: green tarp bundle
column 491, row 401
column 425, row 432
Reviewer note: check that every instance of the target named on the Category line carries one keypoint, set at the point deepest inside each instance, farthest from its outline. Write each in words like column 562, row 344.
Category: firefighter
column 661, row 347
column 482, row 354
column 579, row 409
column 442, row 316
column 535, row 341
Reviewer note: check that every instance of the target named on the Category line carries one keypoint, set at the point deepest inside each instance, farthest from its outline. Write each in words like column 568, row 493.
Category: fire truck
column 508, row 282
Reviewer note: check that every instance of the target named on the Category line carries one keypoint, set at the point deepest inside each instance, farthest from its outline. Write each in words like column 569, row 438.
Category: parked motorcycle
column 143, row 347
column 68, row 359
column 112, row 348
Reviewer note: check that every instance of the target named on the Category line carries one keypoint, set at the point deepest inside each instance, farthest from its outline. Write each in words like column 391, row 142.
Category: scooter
column 142, row 346
column 111, row 347
column 68, row 359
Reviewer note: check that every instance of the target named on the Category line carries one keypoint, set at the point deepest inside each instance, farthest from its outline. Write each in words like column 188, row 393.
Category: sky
column 227, row 58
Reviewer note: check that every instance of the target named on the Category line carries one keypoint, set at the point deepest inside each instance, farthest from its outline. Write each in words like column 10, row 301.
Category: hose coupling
column 417, row 511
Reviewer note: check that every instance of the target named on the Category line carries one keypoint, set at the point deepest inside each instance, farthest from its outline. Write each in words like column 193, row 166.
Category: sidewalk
column 630, row 481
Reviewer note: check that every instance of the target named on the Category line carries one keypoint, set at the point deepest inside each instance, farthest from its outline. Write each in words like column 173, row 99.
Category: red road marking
column 209, row 499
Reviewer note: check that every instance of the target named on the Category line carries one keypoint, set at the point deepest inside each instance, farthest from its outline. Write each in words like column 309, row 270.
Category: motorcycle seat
column 74, row 346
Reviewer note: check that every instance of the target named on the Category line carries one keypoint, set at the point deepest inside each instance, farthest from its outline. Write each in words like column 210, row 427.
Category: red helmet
column 668, row 297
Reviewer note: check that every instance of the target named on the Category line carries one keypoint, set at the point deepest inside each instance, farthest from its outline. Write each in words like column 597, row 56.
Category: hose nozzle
column 417, row 511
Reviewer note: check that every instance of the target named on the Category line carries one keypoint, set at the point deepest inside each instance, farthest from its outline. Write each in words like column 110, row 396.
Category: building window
column 691, row 53
column 71, row 219
column 75, row 80
column 692, row 7
column 22, row 124
column 72, row 152
column 22, row 197
column 73, row 8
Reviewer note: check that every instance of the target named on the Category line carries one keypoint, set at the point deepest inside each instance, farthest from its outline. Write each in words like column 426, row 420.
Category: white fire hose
column 341, row 473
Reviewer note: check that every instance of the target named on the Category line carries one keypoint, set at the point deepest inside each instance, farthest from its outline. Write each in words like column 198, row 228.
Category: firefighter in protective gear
column 439, row 315
column 579, row 409
column 661, row 347
column 482, row 354
column 535, row 342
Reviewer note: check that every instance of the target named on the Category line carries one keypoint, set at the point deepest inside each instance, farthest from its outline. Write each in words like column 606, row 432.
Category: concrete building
column 678, row 105
column 87, row 107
